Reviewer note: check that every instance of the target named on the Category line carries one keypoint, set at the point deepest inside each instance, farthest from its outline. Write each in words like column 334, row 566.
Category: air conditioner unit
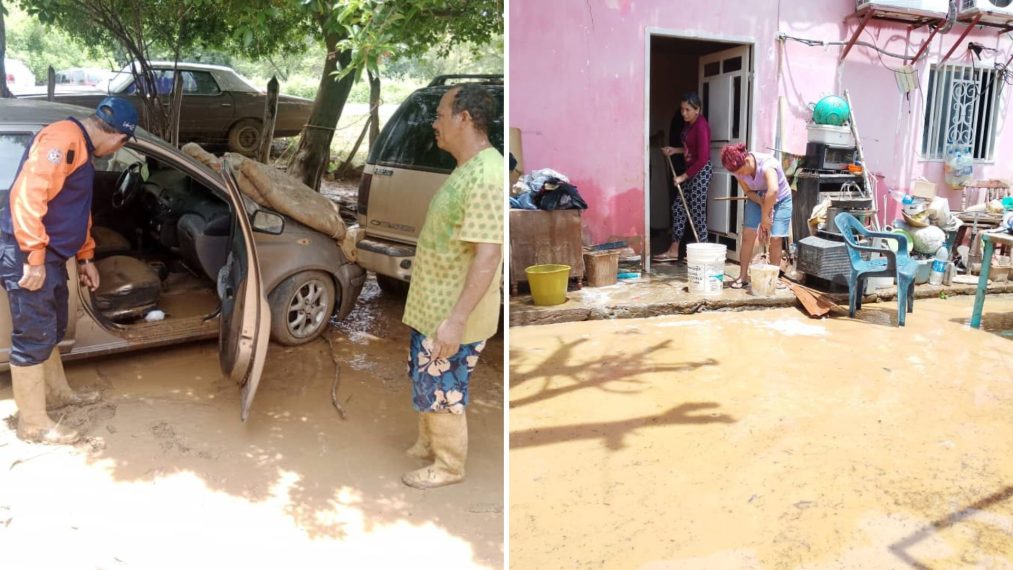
column 992, row 11
column 926, row 8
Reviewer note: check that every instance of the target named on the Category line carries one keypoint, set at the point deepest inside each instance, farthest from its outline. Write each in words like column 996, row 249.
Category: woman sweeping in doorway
column 696, row 142
column 768, row 208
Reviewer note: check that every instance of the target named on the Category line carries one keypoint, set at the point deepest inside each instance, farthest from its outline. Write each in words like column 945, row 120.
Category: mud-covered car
column 403, row 172
column 183, row 255
column 220, row 107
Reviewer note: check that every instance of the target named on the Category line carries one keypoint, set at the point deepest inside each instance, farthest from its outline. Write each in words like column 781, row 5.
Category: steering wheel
column 127, row 185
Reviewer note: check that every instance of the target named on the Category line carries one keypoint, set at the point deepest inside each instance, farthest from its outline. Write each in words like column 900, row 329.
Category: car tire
column 244, row 137
column 392, row 285
column 301, row 307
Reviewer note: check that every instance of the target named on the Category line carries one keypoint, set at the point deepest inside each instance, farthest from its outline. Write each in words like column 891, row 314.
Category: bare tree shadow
column 899, row 548
column 622, row 369
column 614, row 433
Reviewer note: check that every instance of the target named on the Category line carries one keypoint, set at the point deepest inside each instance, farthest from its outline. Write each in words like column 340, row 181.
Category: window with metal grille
column 961, row 106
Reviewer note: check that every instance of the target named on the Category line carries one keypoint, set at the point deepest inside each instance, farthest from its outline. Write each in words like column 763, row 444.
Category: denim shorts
column 782, row 217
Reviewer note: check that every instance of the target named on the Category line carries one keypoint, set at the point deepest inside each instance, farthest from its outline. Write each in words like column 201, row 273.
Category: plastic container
column 548, row 283
column 924, row 268
column 938, row 267
column 831, row 110
column 763, row 279
column 706, row 267
column 893, row 244
column 829, row 134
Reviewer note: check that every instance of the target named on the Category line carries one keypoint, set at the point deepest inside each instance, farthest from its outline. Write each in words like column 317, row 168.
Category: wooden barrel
column 601, row 267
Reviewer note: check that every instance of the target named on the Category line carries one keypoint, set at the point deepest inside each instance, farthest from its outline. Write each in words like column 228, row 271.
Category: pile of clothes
column 545, row 189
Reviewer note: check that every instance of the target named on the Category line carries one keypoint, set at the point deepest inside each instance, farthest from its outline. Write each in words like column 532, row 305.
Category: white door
column 725, row 81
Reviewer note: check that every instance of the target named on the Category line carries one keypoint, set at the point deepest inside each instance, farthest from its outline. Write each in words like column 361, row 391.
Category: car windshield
column 408, row 138
column 12, row 148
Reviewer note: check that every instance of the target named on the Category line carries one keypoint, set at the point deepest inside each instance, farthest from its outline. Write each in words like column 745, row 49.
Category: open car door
column 245, row 322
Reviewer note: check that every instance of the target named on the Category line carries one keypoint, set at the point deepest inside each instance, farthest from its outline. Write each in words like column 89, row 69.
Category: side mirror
column 268, row 222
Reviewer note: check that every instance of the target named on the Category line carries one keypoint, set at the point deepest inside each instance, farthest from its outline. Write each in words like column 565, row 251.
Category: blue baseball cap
column 118, row 114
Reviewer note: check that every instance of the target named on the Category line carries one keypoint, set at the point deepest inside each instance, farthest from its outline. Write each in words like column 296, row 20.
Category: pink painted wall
column 577, row 77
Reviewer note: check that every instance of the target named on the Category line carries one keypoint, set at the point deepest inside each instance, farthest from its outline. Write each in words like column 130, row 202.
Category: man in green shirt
column 453, row 303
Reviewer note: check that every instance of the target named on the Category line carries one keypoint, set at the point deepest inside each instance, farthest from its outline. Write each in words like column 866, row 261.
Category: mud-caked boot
column 449, row 439
column 29, row 383
column 423, row 448
column 59, row 394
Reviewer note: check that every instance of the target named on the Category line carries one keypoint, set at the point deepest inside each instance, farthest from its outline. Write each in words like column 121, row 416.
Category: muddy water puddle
column 765, row 439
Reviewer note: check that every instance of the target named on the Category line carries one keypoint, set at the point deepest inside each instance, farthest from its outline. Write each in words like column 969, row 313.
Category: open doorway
column 720, row 72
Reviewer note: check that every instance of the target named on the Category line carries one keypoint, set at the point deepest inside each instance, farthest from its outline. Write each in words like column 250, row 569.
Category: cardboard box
column 923, row 187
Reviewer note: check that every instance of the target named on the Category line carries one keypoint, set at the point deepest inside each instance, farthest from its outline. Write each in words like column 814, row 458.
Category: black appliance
column 822, row 156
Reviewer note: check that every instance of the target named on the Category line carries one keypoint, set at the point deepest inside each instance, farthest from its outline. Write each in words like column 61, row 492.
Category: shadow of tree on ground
column 614, row 433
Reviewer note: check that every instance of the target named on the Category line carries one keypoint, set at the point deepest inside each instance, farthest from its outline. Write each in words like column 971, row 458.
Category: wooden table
column 545, row 236
column 989, row 240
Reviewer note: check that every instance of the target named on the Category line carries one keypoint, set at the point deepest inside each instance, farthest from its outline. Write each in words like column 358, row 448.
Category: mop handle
column 684, row 204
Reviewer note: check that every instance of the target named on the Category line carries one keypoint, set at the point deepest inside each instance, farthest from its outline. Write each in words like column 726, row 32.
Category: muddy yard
column 765, row 440
column 169, row 477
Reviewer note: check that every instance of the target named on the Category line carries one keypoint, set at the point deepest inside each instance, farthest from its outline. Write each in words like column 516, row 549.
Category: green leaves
column 379, row 31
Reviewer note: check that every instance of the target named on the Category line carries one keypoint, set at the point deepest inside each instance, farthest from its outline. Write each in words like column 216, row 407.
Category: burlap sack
column 278, row 191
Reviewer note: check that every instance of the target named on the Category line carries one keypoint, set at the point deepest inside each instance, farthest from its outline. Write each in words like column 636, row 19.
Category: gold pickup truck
column 404, row 170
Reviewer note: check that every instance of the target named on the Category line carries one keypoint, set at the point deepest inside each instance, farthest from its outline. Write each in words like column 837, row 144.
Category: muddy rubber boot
column 29, row 383
column 423, row 448
column 449, row 438
column 59, row 394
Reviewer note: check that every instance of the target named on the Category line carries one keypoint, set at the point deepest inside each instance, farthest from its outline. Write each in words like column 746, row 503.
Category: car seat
column 128, row 288
column 109, row 242
column 204, row 242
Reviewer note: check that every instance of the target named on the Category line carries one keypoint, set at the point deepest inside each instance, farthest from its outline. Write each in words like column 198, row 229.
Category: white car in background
column 91, row 76
column 19, row 78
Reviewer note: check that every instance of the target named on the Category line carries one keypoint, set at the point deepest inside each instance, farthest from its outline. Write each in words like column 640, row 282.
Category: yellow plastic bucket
column 548, row 283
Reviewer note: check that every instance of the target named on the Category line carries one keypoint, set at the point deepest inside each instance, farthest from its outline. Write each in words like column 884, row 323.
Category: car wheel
column 392, row 285
column 301, row 307
column 244, row 137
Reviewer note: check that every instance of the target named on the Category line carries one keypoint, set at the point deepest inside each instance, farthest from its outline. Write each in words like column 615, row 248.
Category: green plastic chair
column 898, row 265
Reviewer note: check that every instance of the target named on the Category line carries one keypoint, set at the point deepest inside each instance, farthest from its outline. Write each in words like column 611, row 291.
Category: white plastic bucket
column 706, row 264
column 763, row 279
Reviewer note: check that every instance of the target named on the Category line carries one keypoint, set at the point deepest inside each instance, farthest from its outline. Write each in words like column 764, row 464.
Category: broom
column 815, row 303
column 681, row 195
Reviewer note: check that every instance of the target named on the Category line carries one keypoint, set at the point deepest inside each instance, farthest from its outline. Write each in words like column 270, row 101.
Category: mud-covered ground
column 169, row 477
column 765, row 440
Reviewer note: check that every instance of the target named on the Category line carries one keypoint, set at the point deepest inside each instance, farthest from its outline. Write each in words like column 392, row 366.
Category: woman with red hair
column 768, row 208
column 696, row 140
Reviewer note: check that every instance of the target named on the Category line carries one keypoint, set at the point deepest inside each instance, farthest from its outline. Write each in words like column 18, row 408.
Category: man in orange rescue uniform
column 45, row 221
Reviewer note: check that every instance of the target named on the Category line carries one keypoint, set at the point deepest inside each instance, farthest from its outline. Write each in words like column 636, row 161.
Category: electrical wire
column 814, row 43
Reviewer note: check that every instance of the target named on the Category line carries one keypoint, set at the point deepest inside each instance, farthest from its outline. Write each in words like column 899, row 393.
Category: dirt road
column 765, row 440
column 170, row 478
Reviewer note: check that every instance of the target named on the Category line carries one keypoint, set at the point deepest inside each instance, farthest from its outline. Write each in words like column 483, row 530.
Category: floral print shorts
column 440, row 385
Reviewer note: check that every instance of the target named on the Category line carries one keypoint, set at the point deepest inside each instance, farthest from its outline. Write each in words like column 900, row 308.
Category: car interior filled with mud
column 161, row 238
column 183, row 254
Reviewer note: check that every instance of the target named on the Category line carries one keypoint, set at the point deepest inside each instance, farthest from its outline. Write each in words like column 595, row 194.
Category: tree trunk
column 4, row 90
column 374, row 108
column 311, row 157
column 175, row 109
